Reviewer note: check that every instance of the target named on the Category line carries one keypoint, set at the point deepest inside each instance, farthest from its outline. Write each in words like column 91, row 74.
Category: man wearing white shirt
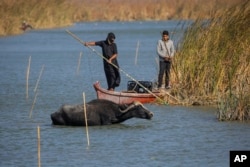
column 165, row 51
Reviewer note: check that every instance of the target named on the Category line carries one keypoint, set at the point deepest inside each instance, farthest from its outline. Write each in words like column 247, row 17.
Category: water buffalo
column 99, row 112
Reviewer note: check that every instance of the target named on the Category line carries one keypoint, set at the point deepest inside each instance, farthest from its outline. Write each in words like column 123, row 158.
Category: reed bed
column 213, row 62
column 58, row 13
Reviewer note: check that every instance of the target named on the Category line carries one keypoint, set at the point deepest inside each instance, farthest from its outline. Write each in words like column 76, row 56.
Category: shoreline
column 72, row 24
column 53, row 13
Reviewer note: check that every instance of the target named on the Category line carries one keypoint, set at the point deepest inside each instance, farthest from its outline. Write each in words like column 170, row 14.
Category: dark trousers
column 112, row 75
column 164, row 67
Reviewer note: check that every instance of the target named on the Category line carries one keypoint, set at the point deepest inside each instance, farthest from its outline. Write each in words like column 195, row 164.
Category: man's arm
column 89, row 43
column 112, row 58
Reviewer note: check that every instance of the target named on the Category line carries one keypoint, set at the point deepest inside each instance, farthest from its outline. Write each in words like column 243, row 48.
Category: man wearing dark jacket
column 109, row 51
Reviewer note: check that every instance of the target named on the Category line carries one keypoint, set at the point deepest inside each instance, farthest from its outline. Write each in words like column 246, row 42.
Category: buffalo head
column 138, row 110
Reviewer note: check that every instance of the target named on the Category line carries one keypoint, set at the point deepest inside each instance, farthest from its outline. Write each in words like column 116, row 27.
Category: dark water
column 176, row 136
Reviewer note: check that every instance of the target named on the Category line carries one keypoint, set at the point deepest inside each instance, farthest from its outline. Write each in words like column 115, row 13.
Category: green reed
column 214, row 61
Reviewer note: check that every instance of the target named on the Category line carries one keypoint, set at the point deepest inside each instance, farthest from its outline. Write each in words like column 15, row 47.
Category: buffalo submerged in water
column 99, row 112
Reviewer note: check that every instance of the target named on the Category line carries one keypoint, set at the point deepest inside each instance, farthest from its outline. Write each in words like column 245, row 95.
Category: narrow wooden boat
column 124, row 97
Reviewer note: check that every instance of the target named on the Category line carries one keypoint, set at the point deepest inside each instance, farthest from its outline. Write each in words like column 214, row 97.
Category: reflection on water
column 175, row 136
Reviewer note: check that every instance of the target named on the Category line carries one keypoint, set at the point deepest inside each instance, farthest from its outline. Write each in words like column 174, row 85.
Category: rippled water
column 176, row 136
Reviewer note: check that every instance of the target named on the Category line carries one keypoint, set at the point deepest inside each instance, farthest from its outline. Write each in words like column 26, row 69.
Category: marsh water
column 176, row 136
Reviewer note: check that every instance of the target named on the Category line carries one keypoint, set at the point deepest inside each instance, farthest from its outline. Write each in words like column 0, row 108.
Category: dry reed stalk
column 36, row 92
column 86, row 120
column 38, row 80
column 38, row 147
column 79, row 63
column 33, row 104
column 137, row 51
column 27, row 78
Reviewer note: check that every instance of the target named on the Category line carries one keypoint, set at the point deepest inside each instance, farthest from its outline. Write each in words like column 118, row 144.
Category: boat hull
column 124, row 97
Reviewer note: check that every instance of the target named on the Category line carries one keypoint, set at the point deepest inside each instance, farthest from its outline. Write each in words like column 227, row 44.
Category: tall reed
column 214, row 61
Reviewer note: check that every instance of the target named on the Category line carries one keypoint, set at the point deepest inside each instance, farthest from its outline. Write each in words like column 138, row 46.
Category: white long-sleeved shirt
column 165, row 48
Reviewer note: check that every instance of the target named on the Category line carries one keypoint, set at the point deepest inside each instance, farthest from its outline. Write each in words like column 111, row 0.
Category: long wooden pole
column 126, row 74
column 85, row 115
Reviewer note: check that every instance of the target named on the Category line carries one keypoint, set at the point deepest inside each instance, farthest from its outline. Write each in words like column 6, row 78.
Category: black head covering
column 111, row 37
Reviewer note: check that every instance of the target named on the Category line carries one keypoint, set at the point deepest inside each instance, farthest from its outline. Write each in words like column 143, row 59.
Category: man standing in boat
column 165, row 51
column 109, row 51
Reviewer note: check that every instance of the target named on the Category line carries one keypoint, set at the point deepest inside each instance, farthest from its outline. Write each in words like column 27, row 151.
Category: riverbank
column 59, row 13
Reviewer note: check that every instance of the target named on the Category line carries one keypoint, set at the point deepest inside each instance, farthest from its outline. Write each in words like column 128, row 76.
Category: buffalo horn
column 131, row 106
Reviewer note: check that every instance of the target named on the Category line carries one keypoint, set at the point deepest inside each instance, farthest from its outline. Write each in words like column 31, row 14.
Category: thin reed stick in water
column 38, row 147
column 137, row 51
column 27, row 79
column 36, row 92
column 157, row 63
column 33, row 104
column 85, row 114
column 38, row 80
column 79, row 63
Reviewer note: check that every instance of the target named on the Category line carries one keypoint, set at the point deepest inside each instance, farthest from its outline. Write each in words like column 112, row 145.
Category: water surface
column 176, row 136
